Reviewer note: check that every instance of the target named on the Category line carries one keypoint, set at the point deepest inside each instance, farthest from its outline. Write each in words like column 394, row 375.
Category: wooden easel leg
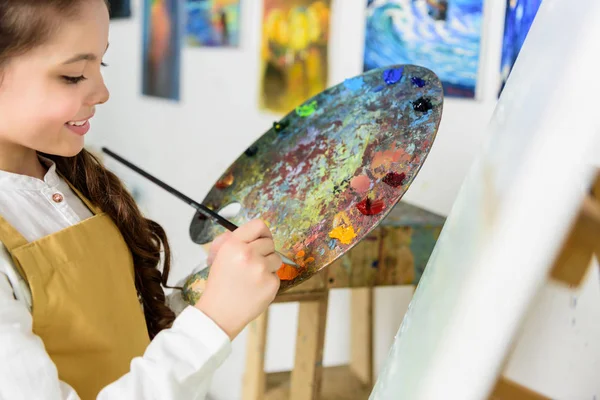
column 582, row 242
column 308, row 363
column 361, row 334
column 508, row 390
column 596, row 196
column 255, row 378
column 570, row 268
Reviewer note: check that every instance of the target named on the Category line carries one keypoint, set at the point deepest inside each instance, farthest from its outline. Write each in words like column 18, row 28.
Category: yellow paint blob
column 344, row 234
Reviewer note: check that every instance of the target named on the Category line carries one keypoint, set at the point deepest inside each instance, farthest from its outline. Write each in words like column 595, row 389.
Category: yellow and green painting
column 293, row 52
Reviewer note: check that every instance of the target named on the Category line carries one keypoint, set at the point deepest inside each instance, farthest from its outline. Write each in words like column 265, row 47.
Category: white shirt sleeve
column 178, row 364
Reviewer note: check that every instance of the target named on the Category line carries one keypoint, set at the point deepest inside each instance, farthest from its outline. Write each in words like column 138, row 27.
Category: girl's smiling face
column 49, row 94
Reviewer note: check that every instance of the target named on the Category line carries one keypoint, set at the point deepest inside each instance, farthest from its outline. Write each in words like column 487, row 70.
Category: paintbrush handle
column 201, row 208
column 222, row 221
column 207, row 212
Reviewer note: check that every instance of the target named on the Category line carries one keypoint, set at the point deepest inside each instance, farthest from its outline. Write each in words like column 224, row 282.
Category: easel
column 570, row 268
column 393, row 254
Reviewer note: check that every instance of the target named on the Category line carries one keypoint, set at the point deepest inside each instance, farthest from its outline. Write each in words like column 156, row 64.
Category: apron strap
column 93, row 208
column 10, row 237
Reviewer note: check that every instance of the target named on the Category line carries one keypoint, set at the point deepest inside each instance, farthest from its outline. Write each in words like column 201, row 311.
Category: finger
column 276, row 283
column 273, row 262
column 263, row 247
column 218, row 242
column 252, row 231
column 216, row 246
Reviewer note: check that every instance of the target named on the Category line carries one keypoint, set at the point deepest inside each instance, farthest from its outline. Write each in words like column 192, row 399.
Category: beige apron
column 84, row 302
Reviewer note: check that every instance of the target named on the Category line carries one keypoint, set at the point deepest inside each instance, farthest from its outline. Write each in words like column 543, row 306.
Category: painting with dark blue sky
column 442, row 35
column 519, row 17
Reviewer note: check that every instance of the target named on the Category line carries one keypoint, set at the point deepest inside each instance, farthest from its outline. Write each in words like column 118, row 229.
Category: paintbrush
column 202, row 209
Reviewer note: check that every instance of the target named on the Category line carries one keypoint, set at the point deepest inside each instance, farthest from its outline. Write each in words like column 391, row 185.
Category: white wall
column 188, row 144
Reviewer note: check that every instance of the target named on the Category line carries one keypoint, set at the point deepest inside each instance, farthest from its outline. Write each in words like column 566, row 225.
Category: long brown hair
column 25, row 24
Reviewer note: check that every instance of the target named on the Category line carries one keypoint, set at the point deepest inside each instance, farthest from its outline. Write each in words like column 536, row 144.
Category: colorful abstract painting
column 294, row 52
column 330, row 171
column 120, row 9
column 213, row 23
column 442, row 35
column 518, row 20
column 161, row 49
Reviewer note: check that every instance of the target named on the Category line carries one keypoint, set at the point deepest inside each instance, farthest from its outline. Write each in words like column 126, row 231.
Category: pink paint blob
column 360, row 183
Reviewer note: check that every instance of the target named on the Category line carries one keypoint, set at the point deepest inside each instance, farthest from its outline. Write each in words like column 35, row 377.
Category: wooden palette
column 330, row 171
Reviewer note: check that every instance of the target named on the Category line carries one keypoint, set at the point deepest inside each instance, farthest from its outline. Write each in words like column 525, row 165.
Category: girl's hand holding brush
column 242, row 280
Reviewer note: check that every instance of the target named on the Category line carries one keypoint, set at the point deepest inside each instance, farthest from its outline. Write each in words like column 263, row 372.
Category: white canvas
column 510, row 217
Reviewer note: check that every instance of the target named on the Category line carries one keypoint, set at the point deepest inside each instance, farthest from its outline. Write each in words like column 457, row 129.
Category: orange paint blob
column 344, row 234
column 360, row 183
column 287, row 272
column 300, row 254
column 385, row 159
column 309, row 260
column 225, row 182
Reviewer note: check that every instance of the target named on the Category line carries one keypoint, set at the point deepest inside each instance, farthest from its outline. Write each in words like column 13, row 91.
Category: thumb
column 216, row 246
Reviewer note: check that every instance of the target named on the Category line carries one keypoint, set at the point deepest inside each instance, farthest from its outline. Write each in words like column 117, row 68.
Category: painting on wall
column 518, row 20
column 294, row 52
column 120, row 9
column 161, row 49
column 213, row 23
column 442, row 35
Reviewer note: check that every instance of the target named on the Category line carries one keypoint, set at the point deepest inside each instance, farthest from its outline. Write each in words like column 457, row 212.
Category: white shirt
column 178, row 364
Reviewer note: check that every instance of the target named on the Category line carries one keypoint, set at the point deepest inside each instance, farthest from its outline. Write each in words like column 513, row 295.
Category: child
column 82, row 310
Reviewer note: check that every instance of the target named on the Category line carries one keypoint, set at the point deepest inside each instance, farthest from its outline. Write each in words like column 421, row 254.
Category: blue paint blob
column 375, row 264
column 354, row 84
column 378, row 89
column 418, row 81
column 391, row 76
column 332, row 244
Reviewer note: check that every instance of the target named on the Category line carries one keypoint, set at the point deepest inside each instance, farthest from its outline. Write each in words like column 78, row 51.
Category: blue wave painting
column 519, row 17
column 442, row 35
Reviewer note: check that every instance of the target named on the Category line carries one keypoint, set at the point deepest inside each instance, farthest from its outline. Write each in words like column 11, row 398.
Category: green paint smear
column 306, row 110
column 188, row 294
